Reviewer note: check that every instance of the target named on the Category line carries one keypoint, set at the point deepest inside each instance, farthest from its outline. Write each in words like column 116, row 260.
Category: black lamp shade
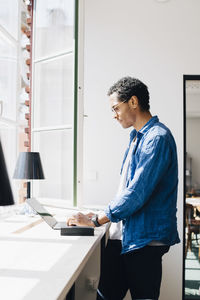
column 29, row 166
column 6, row 196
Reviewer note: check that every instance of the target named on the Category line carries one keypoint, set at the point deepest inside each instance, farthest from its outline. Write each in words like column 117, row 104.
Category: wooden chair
column 193, row 227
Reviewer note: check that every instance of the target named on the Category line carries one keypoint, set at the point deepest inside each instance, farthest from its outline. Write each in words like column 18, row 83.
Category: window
column 9, row 82
column 53, row 70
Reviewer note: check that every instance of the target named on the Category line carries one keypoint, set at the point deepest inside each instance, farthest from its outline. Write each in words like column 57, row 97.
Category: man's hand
column 90, row 214
column 80, row 220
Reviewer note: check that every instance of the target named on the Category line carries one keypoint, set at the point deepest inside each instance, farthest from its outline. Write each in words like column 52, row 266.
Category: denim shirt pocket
column 132, row 166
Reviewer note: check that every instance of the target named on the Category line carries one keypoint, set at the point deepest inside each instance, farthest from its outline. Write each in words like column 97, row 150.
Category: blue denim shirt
column 147, row 206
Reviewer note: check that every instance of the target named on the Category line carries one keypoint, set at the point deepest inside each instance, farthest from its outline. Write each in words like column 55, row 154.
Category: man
column 147, row 196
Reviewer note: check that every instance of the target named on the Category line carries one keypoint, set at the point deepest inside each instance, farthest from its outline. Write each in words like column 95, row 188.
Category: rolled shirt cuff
column 110, row 216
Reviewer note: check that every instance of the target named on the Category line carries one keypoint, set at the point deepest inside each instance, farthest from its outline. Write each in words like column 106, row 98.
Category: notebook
column 54, row 224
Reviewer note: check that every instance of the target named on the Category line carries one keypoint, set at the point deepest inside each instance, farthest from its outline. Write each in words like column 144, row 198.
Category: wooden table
column 195, row 202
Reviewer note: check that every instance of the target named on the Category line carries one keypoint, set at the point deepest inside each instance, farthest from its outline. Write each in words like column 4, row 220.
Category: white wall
column 193, row 146
column 158, row 43
column 192, row 134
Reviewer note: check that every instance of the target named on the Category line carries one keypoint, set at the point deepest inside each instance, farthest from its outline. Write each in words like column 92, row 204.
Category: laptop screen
column 44, row 214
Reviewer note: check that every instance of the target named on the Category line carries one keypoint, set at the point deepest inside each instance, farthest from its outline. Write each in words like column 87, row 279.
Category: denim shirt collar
column 144, row 129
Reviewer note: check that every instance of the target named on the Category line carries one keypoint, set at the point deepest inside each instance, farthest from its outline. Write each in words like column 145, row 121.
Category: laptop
column 54, row 224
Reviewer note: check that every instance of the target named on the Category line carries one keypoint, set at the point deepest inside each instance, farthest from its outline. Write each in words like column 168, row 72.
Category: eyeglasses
column 114, row 109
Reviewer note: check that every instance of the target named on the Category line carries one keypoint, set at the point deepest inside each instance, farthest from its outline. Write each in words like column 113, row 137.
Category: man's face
column 123, row 112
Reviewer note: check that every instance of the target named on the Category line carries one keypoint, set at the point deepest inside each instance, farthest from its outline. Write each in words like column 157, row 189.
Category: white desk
column 40, row 264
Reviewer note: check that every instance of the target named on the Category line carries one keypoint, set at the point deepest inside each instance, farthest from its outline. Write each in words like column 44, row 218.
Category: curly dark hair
column 127, row 87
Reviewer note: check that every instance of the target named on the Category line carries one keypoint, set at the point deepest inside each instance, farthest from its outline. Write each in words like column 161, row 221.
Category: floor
column 192, row 272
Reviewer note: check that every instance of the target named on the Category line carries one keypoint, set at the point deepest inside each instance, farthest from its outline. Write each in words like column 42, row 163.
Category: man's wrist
column 95, row 221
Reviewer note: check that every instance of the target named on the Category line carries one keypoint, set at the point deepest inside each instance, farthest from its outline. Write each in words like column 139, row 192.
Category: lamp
column 28, row 166
column 6, row 196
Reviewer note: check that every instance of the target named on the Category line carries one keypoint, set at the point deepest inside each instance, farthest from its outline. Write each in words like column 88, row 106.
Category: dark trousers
column 139, row 270
column 113, row 284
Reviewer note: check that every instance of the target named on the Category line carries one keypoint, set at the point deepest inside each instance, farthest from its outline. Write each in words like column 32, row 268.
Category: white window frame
column 77, row 125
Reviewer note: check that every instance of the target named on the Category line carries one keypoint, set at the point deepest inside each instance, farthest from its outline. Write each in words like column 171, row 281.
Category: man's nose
column 114, row 115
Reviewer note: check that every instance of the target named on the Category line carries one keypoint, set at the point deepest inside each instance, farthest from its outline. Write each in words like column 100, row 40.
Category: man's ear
column 134, row 102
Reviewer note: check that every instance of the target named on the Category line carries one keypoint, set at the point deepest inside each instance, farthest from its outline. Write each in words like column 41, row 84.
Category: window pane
column 54, row 28
column 8, row 79
column 53, row 92
column 56, row 153
column 9, row 16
